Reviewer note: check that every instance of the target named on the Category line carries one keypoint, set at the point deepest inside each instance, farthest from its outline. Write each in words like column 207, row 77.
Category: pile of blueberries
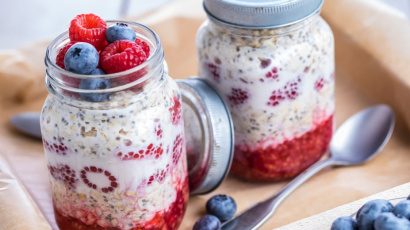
column 377, row 215
column 219, row 209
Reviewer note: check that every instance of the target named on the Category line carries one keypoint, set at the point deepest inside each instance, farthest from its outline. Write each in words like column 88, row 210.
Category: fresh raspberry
column 177, row 149
column 88, row 28
column 175, row 111
column 111, row 180
column 57, row 146
column 292, row 89
column 158, row 131
column 214, row 71
column 273, row 73
column 275, row 98
column 150, row 150
column 319, row 84
column 61, row 54
column 238, row 96
column 121, row 55
column 64, row 173
column 158, row 176
column 144, row 46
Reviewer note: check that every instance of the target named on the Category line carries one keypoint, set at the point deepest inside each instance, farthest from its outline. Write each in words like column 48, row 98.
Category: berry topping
column 150, row 150
column 388, row 221
column 176, row 210
column 207, row 222
column 344, row 223
column 158, row 131
column 57, row 147
column 319, row 84
column 111, row 181
column 159, row 176
column 120, row 31
column 144, row 46
column 273, row 74
column 214, row 71
column 370, row 211
column 121, row 55
column 292, row 89
column 95, row 84
column 88, row 28
column 402, row 209
column 276, row 97
column 175, row 111
column 221, row 206
column 238, row 96
column 63, row 173
column 81, row 58
column 61, row 54
column 177, row 149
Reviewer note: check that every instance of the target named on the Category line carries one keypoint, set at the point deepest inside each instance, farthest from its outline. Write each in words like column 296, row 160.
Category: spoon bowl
column 362, row 136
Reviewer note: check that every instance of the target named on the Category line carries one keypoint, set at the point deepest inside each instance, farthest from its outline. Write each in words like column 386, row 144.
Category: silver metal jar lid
column 261, row 13
column 209, row 135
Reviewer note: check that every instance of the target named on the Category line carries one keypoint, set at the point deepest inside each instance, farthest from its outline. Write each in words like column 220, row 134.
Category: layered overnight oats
column 113, row 137
column 279, row 84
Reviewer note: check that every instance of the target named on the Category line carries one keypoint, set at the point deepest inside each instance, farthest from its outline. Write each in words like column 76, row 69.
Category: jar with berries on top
column 113, row 130
column 273, row 63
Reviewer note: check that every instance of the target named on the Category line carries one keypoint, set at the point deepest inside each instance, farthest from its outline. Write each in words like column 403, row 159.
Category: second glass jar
column 279, row 83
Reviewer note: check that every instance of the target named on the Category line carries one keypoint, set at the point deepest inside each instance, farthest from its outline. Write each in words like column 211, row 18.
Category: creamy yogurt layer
column 280, row 87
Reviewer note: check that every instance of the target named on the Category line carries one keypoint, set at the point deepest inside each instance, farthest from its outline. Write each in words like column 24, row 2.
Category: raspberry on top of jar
column 112, row 129
column 277, row 74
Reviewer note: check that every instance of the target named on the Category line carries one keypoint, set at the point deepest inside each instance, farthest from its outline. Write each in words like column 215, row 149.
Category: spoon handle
column 255, row 216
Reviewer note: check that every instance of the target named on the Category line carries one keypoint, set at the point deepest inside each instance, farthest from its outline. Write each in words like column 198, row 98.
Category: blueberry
column 370, row 211
column 408, row 198
column 97, row 71
column 388, row 221
column 92, row 84
column 402, row 209
column 344, row 223
column 81, row 58
column 120, row 31
column 221, row 206
column 207, row 222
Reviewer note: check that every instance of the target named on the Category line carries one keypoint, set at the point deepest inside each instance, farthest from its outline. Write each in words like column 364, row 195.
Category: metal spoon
column 357, row 141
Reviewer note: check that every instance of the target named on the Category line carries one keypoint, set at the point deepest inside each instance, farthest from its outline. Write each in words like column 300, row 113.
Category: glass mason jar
column 119, row 163
column 273, row 62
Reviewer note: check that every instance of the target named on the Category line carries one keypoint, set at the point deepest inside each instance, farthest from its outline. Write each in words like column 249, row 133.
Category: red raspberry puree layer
column 285, row 160
column 170, row 219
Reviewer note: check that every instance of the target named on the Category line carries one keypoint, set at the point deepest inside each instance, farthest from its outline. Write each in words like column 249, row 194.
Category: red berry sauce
column 168, row 219
column 285, row 160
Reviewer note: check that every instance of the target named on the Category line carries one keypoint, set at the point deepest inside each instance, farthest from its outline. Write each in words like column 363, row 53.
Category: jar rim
column 157, row 54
